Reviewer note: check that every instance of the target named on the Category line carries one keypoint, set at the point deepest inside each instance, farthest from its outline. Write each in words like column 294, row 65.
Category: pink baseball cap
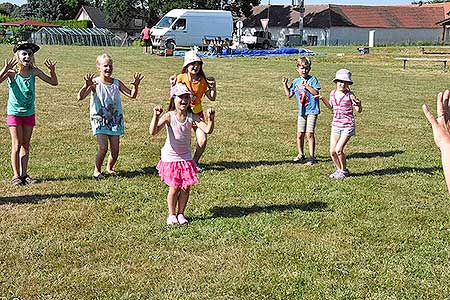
column 343, row 75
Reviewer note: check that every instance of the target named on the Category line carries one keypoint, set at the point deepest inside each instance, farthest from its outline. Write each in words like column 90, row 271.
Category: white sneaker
column 172, row 220
column 182, row 219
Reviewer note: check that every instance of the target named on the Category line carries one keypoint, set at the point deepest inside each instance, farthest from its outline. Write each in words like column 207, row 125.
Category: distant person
column 219, row 46
column 146, row 38
column 343, row 127
column 227, row 46
column 193, row 76
column 106, row 111
column 305, row 88
column 176, row 167
column 21, row 72
column 441, row 130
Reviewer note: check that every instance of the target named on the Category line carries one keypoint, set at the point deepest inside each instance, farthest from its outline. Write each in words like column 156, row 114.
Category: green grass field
column 261, row 227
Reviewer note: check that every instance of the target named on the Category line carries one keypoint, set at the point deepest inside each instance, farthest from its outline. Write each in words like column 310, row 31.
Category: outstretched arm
column 88, row 86
column 441, row 130
column 207, row 128
column 325, row 101
column 52, row 79
column 137, row 78
column 157, row 121
column 7, row 68
column 211, row 92
column 287, row 92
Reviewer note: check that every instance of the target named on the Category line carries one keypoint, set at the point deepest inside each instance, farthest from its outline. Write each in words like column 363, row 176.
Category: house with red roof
column 332, row 24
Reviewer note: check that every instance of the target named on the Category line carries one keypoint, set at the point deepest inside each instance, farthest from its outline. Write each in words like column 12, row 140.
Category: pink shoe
column 172, row 220
column 182, row 219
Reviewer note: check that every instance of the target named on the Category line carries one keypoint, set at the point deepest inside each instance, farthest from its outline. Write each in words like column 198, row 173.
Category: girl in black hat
column 20, row 72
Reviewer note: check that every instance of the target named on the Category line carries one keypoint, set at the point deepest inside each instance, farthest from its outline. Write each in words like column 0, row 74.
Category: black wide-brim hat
column 26, row 45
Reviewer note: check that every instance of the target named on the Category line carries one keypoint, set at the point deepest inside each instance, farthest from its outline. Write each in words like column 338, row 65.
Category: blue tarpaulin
column 246, row 52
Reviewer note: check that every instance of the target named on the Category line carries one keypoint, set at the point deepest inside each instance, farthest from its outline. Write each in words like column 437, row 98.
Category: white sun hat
column 343, row 75
column 190, row 57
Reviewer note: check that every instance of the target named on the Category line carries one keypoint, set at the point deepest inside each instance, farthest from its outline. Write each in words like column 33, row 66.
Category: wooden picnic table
column 434, row 49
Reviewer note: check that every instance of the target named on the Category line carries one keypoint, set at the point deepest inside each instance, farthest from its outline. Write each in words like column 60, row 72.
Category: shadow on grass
column 375, row 154
column 233, row 165
column 240, row 211
column 40, row 197
column 399, row 170
column 126, row 174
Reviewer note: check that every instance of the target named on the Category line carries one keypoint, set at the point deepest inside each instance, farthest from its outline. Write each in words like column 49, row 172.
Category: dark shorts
column 14, row 121
column 148, row 42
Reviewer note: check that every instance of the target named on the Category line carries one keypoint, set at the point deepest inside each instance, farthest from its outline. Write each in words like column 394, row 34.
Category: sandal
column 26, row 179
column 98, row 176
column 16, row 181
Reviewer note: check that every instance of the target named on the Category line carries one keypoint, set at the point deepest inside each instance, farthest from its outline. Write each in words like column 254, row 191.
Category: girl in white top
column 176, row 167
column 106, row 110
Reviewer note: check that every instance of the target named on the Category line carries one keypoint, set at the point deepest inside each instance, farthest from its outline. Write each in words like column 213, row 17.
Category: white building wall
column 335, row 36
column 352, row 35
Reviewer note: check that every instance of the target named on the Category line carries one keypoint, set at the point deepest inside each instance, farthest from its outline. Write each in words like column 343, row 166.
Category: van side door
column 179, row 30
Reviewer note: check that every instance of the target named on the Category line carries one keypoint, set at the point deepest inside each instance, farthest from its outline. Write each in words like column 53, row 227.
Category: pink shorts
column 14, row 121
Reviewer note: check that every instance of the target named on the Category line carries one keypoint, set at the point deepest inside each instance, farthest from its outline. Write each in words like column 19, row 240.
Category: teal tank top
column 21, row 95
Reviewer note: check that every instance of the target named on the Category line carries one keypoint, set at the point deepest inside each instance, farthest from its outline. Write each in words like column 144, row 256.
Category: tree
column 120, row 12
column 7, row 8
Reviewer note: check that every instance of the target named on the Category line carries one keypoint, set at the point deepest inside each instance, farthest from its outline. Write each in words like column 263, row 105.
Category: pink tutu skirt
column 178, row 173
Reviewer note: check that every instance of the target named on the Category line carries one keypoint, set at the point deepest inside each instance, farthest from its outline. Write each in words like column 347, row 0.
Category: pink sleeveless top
column 343, row 116
column 178, row 141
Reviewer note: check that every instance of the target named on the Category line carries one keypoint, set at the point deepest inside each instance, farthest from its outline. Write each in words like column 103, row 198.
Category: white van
column 189, row 27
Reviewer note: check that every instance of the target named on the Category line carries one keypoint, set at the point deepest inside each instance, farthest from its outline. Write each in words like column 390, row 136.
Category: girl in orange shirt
column 193, row 76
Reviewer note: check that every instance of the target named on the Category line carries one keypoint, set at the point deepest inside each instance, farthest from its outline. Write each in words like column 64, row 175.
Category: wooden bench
column 434, row 49
column 442, row 60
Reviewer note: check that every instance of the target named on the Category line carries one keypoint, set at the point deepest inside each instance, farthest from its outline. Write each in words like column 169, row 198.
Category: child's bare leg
column 16, row 138
column 334, row 156
column 183, row 199
column 202, row 139
column 172, row 197
column 340, row 151
column 102, row 141
column 311, row 144
column 300, row 142
column 114, row 142
column 25, row 149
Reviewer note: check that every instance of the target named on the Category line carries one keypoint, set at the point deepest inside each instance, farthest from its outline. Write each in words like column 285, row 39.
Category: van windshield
column 165, row 22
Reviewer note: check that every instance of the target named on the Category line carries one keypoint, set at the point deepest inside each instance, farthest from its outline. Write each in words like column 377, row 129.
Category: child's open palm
column 211, row 113
column 10, row 63
column 441, row 124
column 50, row 65
column 137, row 78
column 89, row 79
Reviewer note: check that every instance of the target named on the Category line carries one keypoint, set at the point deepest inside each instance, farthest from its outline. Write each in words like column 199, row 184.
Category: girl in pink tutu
column 176, row 167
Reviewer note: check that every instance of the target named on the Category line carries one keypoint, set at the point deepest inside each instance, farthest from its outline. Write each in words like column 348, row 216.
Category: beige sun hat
column 343, row 75
column 181, row 89
column 190, row 57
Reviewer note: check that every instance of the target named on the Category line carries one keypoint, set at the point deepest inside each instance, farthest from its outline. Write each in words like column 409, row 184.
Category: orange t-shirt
column 198, row 89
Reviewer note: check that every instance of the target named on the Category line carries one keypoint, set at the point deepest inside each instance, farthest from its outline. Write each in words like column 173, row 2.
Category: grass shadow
column 399, row 170
column 235, row 165
column 126, row 174
column 240, row 211
column 40, row 197
column 375, row 154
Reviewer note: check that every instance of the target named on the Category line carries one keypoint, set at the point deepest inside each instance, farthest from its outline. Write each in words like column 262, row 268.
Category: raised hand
column 157, row 110
column 137, row 78
column 88, row 78
column 441, row 124
column 211, row 82
column 284, row 80
column 10, row 63
column 50, row 65
column 211, row 113
column 173, row 79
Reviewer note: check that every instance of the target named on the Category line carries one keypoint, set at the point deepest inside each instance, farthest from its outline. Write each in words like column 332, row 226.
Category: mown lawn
column 261, row 227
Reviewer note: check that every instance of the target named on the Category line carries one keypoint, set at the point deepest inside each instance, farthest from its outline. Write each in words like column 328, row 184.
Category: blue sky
column 354, row 2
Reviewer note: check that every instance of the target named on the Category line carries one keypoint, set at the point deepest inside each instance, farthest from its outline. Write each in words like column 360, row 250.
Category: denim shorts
column 306, row 123
column 351, row 131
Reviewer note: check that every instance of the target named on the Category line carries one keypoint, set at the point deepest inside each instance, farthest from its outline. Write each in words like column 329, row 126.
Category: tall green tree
column 120, row 12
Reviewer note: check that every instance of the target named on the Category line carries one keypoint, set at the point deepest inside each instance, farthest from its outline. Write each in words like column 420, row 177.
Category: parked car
column 259, row 39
